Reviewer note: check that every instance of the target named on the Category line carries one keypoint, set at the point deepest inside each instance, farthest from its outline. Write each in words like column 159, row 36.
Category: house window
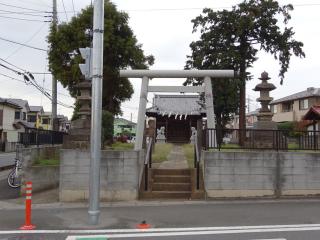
column 17, row 115
column 287, row 107
column 303, row 104
column 274, row 108
column 24, row 116
column 45, row 121
column 32, row 118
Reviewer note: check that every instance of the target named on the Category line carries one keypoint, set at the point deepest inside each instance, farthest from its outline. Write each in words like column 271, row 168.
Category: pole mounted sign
column 86, row 68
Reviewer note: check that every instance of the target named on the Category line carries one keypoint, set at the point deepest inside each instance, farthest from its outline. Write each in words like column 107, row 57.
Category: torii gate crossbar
column 145, row 75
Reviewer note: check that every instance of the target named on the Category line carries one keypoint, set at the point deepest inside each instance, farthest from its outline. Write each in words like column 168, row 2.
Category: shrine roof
column 176, row 104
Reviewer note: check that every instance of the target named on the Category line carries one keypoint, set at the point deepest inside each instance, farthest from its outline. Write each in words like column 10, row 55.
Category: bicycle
column 14, row 177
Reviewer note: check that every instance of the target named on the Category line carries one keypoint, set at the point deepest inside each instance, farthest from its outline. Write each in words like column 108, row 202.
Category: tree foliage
column 107, row 127
column 121, row 50
column 232, row 39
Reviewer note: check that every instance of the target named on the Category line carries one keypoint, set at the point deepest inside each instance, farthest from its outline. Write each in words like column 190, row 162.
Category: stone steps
column 171, row 179
column 169, row 184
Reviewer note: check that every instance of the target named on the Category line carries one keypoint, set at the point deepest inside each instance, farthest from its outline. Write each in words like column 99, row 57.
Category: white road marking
column 217, row 232
column 224, row 228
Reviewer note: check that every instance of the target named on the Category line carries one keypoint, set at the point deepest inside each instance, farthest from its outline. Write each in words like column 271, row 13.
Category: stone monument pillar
column 265, row 115
column 79, row 134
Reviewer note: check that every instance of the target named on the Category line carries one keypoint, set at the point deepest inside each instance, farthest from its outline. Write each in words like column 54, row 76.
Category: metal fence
column 261, row 139
column 40, row 137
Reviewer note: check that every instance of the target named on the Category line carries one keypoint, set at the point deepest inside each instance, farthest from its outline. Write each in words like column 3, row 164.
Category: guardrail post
column 28, row 225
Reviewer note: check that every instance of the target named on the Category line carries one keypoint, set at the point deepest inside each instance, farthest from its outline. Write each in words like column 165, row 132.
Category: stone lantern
column 265, row 115
column 79, row 134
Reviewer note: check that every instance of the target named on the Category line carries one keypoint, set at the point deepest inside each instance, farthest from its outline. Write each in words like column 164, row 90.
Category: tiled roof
column 22, row 103
column 310, row 92
column 176, row 104
column 313, row 113
column 9, row 103
column 36, row 108
column 25, row 123
column 126, row 121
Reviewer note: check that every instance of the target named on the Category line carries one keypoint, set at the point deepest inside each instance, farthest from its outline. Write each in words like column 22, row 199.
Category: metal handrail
column 278, row 139
column 147, row 163
column 197, row 162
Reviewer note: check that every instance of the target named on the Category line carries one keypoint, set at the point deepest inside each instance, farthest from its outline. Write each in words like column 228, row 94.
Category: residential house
column 13, row 115
column 251, row 117
column 295, row 106
column 64, row 123
column 22, row 113
column 45, row 121
column 34, row 115
column 8, row 111
column 121, row 125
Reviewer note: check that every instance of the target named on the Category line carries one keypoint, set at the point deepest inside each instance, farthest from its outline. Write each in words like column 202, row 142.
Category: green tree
column 121, row 50
column 232, row 39
column 107, row 128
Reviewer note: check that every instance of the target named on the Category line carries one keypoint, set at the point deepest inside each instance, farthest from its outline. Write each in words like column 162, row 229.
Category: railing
column 148, row 164
column 40, row 137
column 261, row 139
column 197, row 161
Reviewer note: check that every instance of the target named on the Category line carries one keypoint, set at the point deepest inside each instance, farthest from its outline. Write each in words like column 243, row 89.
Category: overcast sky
column 164, row 29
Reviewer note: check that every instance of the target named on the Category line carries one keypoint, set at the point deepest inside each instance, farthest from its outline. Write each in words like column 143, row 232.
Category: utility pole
column 54, row 80
column 96, row 112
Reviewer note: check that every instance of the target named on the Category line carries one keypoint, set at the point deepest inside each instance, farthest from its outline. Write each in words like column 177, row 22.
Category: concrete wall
column 10, row 146
column 259, row 174
column 42, row 177
column 120, row 174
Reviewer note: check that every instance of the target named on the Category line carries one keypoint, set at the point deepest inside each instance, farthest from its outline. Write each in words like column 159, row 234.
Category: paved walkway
column 176, row 159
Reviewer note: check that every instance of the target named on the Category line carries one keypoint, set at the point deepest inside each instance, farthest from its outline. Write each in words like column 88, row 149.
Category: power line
column 12, row 64
column 30, row 39
column 42, row 90
column 14, row 6
column 25, row 19
column 42, row 5
column 65, row 10
column 197, row 8
column 74, row 12
column 23, row 13
column 22, row 44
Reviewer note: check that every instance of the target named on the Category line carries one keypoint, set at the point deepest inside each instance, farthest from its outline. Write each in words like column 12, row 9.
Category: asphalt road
column 180, row 235
column 259, row 220
column 7, row 159
column 7, row 192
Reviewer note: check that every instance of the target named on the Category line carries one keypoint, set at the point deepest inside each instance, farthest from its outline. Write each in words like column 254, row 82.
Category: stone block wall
column 261, row 174
column 120, row 175
column 42, row 177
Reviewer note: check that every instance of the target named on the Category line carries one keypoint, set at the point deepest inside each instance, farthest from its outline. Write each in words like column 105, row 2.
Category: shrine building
column 177, row 113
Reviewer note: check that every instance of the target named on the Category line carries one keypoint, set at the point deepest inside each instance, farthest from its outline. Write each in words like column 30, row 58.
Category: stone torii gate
column 145, row 75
